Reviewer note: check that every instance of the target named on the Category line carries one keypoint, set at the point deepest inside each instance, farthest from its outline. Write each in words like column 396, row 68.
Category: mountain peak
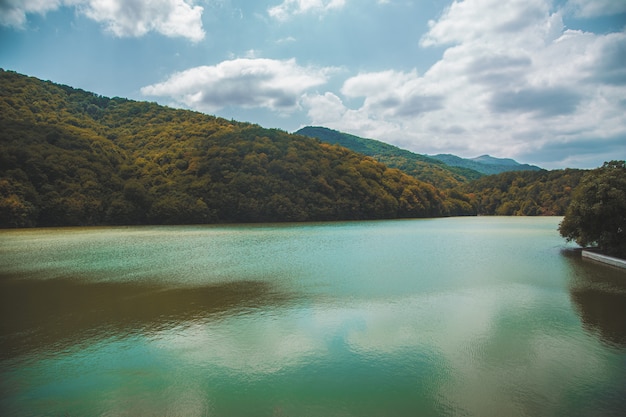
column 486, row 164
column 491, row 160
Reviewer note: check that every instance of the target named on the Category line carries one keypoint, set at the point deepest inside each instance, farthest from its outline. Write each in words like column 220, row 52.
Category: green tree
column 597, row 213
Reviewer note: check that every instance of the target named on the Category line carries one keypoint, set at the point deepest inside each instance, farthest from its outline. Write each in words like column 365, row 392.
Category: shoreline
column 605, row 259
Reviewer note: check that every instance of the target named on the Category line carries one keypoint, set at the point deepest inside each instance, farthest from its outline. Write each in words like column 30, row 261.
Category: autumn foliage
column 70, row 157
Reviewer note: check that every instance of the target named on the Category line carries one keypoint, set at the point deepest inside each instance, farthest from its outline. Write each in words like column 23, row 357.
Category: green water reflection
column 63, row 312
column 478, row 316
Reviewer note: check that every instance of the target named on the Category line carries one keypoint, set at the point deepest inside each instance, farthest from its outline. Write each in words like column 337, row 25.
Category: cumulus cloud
column 263, row 83
column 595, row 8
column 482, row 19
column 173, row 18
column 393, row 93
column 289, row 8
column 542, row 102
column 13, row 12
column 511, row 81
column 137, row 17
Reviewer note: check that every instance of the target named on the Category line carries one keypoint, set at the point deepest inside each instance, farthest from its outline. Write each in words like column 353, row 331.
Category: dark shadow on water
column 598, row 292
column 56, row 314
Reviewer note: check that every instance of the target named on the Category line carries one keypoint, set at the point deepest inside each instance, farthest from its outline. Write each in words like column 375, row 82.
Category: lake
column 479, row 316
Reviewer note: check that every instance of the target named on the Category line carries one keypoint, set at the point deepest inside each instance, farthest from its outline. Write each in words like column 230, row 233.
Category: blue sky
column 541, row 81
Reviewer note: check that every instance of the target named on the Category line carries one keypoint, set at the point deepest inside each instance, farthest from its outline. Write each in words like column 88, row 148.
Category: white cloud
column 490, row 20
column 173, row 18
column 137, row 17
column 595, row 8
column 13, row 12
column 393, row 93
column 262, row 83
column 289, row 8
column 512, row 82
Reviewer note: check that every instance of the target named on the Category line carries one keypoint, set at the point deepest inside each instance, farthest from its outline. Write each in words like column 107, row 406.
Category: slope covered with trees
column 524, row 193
column 419, row 166
column 494, row 187
column 70, row 157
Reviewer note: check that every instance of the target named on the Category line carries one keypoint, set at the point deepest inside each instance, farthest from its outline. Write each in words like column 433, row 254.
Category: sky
column 540, row 81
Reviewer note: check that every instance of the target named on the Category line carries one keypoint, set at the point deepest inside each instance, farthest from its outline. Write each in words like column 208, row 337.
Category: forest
column 523, row 191
column 71, row 157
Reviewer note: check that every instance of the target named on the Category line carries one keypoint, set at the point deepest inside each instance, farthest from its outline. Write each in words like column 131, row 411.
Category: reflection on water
column 603, row 313
column 599, row 294
column 61, row 312
column 474, row 317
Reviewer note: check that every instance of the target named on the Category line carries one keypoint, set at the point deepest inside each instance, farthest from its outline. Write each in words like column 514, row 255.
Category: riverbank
column 609, row 260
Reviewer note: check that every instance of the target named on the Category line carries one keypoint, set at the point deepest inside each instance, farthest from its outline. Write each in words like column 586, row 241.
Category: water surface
column 484, row 316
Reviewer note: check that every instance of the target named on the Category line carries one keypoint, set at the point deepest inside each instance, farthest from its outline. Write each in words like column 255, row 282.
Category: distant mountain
column 485, row 164
column 422, row 167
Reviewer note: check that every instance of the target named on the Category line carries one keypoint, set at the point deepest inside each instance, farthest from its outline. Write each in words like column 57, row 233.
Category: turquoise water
column 483, row 316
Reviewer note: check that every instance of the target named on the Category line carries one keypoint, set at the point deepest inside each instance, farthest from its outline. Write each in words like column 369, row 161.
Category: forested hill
column 486, row 164
column 497, row 186
column 419, row 166
column 524, row 193
column 71, row 157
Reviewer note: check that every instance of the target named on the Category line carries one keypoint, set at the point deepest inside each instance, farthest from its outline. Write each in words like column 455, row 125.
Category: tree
column 597, row 213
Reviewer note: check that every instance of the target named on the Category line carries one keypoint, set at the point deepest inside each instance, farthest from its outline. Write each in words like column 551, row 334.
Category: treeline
column 523, row 193
column 527, row 192
column 70, row 157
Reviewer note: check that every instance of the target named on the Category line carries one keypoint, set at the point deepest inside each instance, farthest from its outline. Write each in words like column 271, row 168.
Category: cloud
column 542, row 102
column 392, row 93
column 607, row 62
column 289, row 8
column 172, row 18
column 482, row 19
column 13, row 12
column 263, row 83
column 511, row 81
column 123, row 18
column 595, row 8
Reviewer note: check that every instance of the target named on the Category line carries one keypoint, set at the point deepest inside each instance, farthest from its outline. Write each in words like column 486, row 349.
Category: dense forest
column 597, row 213
column 518, row 189
column 71, row 157
column 523, row 193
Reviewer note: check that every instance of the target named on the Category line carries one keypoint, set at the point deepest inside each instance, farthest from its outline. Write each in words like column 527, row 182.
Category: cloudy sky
column 541, row 81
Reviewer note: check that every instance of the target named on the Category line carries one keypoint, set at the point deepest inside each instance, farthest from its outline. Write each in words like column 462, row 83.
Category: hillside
column 524, row 193
column 71, row 157
column 485, row 164
column 492, row 186
column 419, row 166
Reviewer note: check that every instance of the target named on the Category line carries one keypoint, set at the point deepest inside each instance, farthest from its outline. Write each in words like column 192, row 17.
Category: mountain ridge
column 485, row 164
column 462, row 169
column 69, row 157
column 422, row 167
